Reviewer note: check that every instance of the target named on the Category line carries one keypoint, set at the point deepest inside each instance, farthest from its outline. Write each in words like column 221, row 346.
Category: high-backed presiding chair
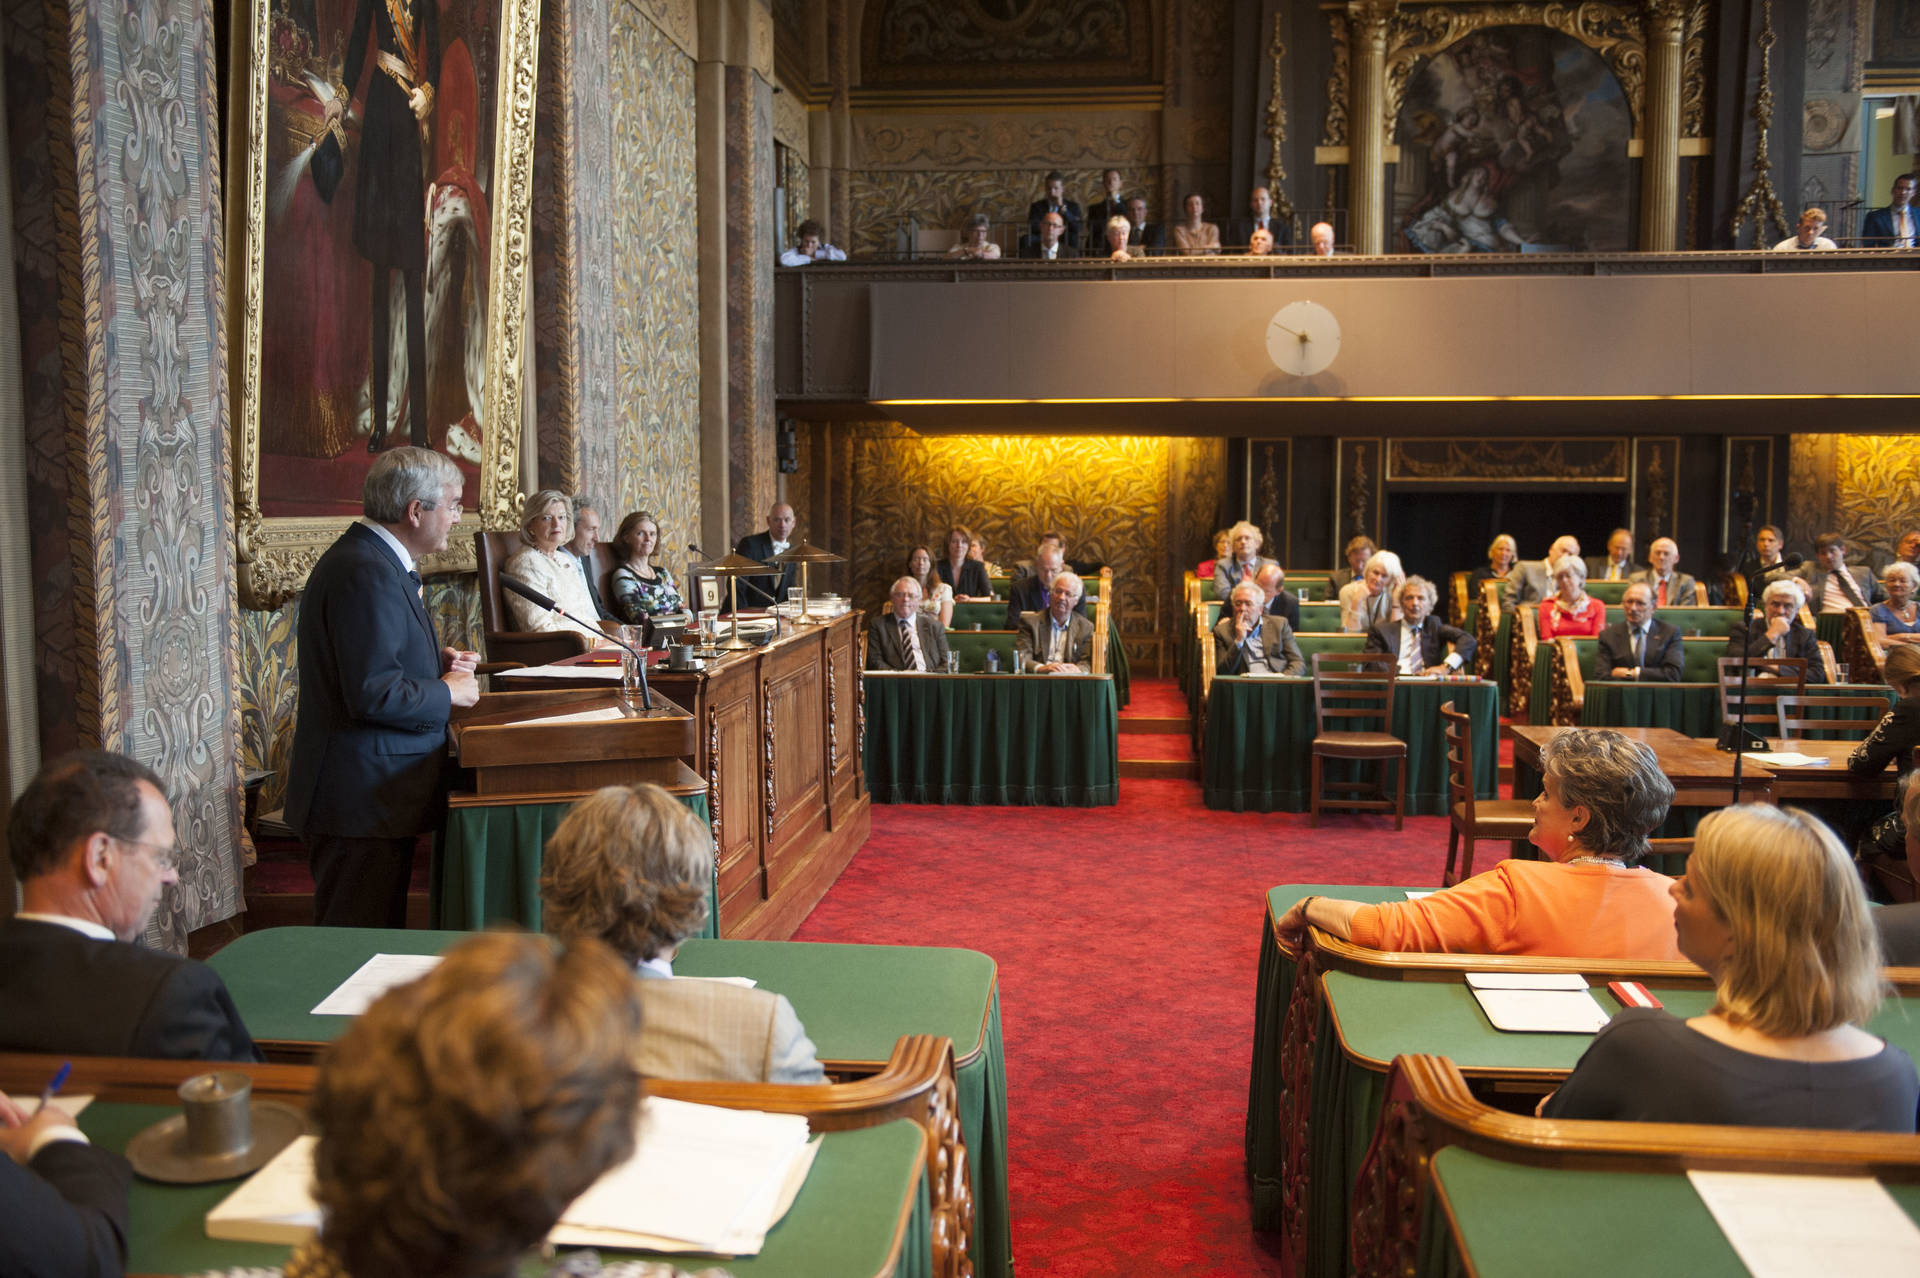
column 504, row 644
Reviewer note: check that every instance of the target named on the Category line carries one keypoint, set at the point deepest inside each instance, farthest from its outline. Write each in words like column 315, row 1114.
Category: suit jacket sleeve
column 879, row 645
column 1463, row 643
column 368, row 641
column 1229, row 658
column 66, row 1213
column 192, row 1017
column 1023, row 637
column 933, row 642
column 1377, row 641
column 1685, row 593
column 1289, row 609
column 1670, row 663
column 1753, row 644
column 1296, row 665
column 1606, row 657
column 791, row 1057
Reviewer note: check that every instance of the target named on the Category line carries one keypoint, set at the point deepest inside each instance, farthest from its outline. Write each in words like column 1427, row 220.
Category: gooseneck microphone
column 1786, row 565
column 540, row 600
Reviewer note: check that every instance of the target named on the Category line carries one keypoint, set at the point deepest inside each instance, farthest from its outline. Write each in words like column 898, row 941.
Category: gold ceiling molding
column 1008, row 141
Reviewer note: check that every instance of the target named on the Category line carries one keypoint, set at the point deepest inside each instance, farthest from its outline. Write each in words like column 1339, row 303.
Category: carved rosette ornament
column 1297, row 1035
column 951, row 1186
column 766, row 754
column 833, row 712
column 713, row 779
column 1387, row 1196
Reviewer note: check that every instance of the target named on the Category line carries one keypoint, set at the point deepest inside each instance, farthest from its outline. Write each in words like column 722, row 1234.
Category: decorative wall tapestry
column 1513, row 139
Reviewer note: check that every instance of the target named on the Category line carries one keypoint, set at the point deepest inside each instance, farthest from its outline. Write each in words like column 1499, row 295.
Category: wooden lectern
column 519, row 753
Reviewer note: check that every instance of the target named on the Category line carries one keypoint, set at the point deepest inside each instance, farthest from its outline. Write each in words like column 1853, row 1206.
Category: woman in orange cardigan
column 1604, row 795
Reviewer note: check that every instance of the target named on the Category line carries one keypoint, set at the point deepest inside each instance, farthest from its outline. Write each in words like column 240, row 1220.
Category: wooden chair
column 491, row 551
column 1350, row 687
column 1468, row 817
column 1766, row 679
column 1847, row 718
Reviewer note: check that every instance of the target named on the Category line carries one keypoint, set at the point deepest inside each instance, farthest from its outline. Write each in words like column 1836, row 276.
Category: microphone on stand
column 694, row 547
column 539, row 600
column 1786, row 565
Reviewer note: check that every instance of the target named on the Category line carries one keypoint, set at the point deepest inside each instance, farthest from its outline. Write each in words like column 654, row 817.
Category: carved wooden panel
column 737, row 740
column 794, row 710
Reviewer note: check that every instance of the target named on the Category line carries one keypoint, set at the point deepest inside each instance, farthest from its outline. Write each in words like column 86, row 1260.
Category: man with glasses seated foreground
column 91, row 839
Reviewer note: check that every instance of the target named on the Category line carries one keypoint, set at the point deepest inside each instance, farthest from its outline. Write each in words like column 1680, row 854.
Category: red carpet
column 1127, row 940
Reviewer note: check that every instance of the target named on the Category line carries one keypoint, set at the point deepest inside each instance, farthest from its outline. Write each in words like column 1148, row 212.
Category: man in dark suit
column 1053, row 243
column 1142, row 234
column 92, row 846
column 1055, row 201
column 1253, row 641
column 1617, row 564
column 376, row 692
column 1671, row 589
column 1778, row 633
column 1103, row 210
column 1642, row 646
column 1531, row 582
column 903, row 637
column 66, row 1199
column 1263, row 218
column 759, row 591
column 1059, row 639
column 1419, row 642
column 1280, row 602
column 1893, row 226
column 1030, row 592
column 586, row 531
column 1832, row 585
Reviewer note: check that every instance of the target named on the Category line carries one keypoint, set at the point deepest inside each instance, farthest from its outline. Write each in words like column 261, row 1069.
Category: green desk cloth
column 1691, row 709
column 855, row 1001
column 992, row 739
column 1257, row 754
column 1831, row 628
column 1503, row 656
column 1576, row 1224
column 486, row 865
column 846, row 1219
column 993, row 616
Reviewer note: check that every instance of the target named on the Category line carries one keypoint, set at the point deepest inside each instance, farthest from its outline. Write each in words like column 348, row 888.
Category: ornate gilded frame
column 275, row 555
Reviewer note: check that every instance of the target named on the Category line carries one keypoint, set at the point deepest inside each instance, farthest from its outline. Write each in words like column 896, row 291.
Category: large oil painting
column 1513, row 140
column 369, row 294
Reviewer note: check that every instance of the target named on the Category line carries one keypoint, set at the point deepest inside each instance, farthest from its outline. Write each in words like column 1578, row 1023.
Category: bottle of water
column 993, row 661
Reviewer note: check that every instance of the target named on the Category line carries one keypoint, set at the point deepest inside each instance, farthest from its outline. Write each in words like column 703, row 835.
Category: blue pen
column 53, row 1087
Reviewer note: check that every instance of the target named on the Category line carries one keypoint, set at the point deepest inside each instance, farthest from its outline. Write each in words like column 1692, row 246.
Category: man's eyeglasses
column 455, row 506
column 167, row 858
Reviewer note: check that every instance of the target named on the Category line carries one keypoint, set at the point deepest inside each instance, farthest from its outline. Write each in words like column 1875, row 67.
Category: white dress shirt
column 1411, row 659
column 393, row 543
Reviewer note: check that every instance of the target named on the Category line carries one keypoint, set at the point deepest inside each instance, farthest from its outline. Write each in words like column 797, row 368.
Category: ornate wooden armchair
column 1522, row 646
column 504, row 644
column 1860, row 649
column 1486, row 631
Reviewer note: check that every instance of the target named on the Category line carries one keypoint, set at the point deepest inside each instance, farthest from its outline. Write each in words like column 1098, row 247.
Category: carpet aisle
column 1127, row 940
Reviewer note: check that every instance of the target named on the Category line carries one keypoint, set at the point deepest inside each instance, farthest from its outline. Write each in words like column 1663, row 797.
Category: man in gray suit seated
column 903, row 637
column 1833, row 585
column 1059, row 640
column 1617, row 564
column 1671, row 589
column 1254, row 641
column 1530, row 582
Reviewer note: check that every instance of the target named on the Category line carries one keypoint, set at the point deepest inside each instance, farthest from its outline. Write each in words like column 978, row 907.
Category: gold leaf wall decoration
column 1871, row 497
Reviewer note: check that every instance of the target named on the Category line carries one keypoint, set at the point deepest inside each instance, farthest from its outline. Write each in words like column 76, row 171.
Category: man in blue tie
column 1641, row 647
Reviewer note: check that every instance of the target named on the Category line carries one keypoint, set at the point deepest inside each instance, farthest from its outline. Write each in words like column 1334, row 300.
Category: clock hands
column 1290, row 332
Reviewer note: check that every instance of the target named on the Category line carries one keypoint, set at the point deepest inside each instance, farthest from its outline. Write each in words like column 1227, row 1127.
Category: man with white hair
column 1281, row 602
column 1058, row 640
column 1778, row 632
column 1530, row 582
column 1670, row 589
column 1252, row 641
column 1030, row 593
column 1321, row 237
column 903, row 637
column 1420, row 642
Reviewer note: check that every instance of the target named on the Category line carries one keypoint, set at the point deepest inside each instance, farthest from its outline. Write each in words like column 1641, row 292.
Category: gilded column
column 1367, row 138
column 1660, row 126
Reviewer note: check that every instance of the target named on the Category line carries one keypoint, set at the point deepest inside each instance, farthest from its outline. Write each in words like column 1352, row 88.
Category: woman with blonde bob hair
column 546, row 525
column 1772, row 908
column 631, row 866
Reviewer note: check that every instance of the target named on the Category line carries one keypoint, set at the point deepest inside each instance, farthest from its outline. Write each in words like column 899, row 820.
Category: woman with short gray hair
column 1897, row 621
column 1571, row 611
column 546, row 524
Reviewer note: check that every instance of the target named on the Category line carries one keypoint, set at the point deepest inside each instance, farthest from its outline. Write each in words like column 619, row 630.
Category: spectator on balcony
column 1321, row 238
column 1196, row 237
column 1571, row 611
column 1110, row 205
column 1811, row 235
column 811, row 246
column 1118, row 230
column 1052, row 244
column 976, row 243
column 1671, row 589
column 1893, row 226
column 1261, row 244
column 1055, row 201
column 1143, row 236
column 1263, row 218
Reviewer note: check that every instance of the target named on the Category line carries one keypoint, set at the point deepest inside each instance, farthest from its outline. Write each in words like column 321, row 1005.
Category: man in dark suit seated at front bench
column 1641, row 647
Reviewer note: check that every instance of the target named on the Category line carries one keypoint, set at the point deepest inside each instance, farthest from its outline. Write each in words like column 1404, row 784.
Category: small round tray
column 160, row 1152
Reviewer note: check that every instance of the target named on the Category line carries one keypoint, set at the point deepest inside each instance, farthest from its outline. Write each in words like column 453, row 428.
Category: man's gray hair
column 1785, row 586
column 906, row 581
column 401, row 476
column 1253, row 590
column 1428, row 591
column 582, row 502
column 1073, row 578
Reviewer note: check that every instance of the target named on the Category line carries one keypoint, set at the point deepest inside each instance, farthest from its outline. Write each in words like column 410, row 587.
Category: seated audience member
column 462, row 1113
column 1896, row 621
column 1222, row 547
column 936, row 596
column 1604, row 794
column 1280, row 602
column 586, row 532
column 1142, row 236
column 1641, row 646
column 1812, row 233
column 630, row 867
column 65, row 1200
column 1358, row 551
column 762, row 589
column 1320, row 238
column 977, row 551
column 1263, row 218
column 1032, row 592
column 904, row 637
column 1052, row 244
column 1244, row 563
column 1778, row 632
column 1771, row 907
column 92, row 846
column 1261, row 245
column 1502, row 553
column 1571, row 611
column 1893, row 739
column 1899, row 925
column 640, row 587
column 1420, row 642
column 1196, row 237
column 1100, row 212
column 1116, row 245
column 543, row 563
column 1054, row 201
column 1531, row 581
column 959, row 570
column 1832, row 585
column 1249, row 641
column 1375, row 598
column 1907, row 550
column 1059, row 640
column 1768, row 542
column 1893, row 226
column 1671, row 589
column 811, row 246
column 976, row 243
column 1617, row 564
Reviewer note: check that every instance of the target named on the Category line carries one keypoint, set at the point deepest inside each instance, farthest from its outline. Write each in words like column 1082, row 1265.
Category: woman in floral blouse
column 641, row 588
column 1571, row 611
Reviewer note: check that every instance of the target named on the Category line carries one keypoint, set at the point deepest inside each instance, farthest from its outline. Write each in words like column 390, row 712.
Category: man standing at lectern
column 376, row 691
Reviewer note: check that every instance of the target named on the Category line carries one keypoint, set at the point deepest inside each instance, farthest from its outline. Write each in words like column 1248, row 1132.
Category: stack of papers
column 1537, row 1002
column 611, row 673
column 373, row 978
column 1787, row 759
column 702, row 1179
column 1788, row 1226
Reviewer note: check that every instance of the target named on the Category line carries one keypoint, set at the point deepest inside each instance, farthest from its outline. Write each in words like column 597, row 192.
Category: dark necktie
column 1639, row 649
column 419, row 587
column 1849, row 589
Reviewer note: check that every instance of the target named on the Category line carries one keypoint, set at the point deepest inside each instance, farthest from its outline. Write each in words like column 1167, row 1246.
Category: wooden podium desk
column 776, row 740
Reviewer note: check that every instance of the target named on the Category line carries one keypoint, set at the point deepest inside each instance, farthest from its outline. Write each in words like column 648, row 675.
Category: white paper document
column 275, row 1204
column 605, row 714
column 611, row 673
column 28, row 1104
column 1527, row 981
column 1791, row 1226
column 744, row 982
column 376, row 976
column 1414, row 894
column 1788, row 759
column 1542, row 1011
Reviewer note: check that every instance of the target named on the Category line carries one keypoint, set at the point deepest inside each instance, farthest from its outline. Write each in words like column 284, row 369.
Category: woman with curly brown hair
column 630, row 866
